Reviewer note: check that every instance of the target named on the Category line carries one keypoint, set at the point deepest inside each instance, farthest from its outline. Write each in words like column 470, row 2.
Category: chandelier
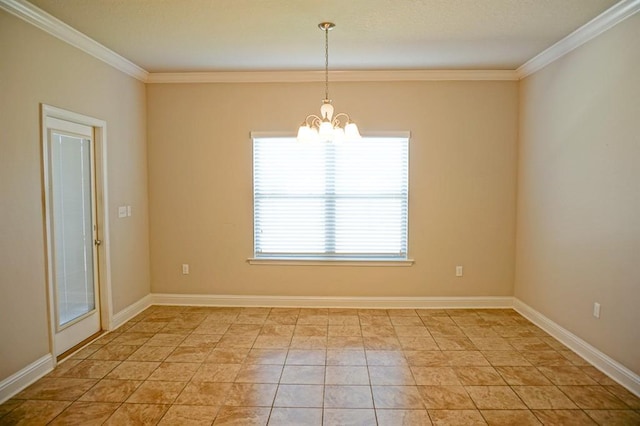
column 327, row 127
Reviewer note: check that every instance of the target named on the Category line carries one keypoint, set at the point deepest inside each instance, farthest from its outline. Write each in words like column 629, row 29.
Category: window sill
column 331, row 262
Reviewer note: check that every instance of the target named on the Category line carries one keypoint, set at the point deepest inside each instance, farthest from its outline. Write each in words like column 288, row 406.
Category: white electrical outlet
column 458, row 271
column 596, row 310
column 185, row 269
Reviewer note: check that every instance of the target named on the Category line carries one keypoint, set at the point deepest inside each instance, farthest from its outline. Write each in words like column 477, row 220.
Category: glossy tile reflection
column 175, row 365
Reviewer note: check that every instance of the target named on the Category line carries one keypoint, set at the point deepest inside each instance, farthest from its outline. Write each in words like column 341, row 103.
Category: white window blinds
column 330, row 201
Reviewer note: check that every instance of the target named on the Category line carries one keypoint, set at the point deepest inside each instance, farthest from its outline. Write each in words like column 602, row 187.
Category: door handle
column 97, row 242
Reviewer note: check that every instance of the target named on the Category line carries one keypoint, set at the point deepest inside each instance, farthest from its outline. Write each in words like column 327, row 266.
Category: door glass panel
column 72, row 226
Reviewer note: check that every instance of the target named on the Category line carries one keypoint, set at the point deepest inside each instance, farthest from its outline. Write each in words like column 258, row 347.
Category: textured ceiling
column 243, row 35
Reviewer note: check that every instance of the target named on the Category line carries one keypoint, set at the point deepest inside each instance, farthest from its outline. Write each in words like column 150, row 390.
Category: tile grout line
column 460, row 325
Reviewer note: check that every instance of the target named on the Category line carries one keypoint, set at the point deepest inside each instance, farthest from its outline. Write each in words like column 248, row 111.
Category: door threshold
column 79, row 346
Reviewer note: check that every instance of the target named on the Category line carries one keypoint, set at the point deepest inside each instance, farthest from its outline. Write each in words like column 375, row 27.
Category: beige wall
column 462, row 186
column 37, row 68
column 578, row 237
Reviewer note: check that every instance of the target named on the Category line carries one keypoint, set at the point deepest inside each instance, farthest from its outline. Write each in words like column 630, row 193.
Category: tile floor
column 256, row 366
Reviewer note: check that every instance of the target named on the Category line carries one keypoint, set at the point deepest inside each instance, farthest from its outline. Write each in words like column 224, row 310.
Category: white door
column 72, row 231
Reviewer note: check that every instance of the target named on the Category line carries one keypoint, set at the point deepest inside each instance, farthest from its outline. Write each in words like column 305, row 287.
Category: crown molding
column 335, row 76
column 52, row 25
column 601, row 23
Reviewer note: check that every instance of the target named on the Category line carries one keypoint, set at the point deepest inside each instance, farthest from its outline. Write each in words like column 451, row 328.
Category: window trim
column 329, row 261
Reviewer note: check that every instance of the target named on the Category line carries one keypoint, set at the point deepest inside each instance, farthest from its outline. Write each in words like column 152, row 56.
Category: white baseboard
column 601, row 361
column 331, row 302
column 23, row 378
column 129, row 312
column 37, row 369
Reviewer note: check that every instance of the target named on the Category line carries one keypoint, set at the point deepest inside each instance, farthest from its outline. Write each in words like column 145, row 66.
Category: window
column 324, row 201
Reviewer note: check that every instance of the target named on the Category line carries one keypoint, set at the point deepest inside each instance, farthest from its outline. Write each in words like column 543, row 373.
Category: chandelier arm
column 336, row 119
column 315, row 120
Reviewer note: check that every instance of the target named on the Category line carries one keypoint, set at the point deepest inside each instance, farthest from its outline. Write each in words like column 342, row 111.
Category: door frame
column 102, row 215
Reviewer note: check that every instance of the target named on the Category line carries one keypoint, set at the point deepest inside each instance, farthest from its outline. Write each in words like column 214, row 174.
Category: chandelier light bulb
column 338, row 135
column 326, row 131
column 351, row 131
column 304, row 133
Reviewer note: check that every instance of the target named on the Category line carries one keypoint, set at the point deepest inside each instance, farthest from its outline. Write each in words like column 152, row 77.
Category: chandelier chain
column 326, row 62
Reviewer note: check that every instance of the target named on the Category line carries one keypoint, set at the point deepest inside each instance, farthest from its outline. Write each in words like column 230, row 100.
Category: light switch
column 596, row 310
column 128, row 210
column 122, row 212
